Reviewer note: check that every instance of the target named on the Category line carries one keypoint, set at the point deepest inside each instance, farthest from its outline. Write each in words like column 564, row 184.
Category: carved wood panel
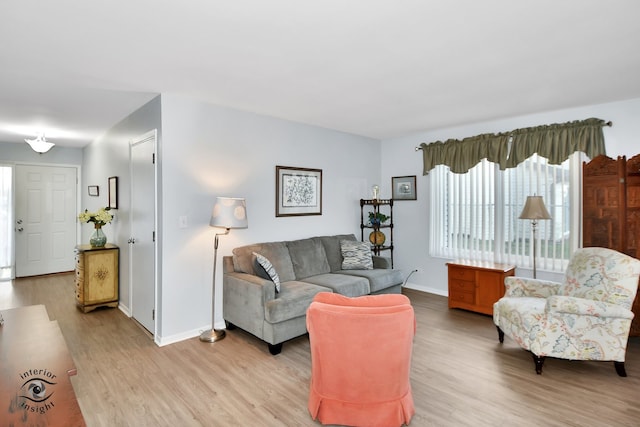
column 611, row 210
column 633, row 206
column 603, row 202
column 633, row 227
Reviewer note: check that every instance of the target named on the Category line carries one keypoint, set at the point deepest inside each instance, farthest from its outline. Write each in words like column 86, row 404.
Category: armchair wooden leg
column 620, row 368
column 539, row 361
column 500, row 334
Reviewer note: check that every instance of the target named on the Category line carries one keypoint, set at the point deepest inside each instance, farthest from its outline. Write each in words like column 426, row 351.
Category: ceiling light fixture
column 40, row 144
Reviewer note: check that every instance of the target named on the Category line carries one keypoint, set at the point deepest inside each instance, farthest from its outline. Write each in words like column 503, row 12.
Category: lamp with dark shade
column 227, row 213
column 534, row 209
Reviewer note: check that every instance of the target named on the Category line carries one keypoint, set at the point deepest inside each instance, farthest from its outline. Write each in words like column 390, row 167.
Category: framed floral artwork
column 298, row 191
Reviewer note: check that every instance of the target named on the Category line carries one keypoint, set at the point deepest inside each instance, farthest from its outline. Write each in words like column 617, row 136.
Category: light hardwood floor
column 461, row 375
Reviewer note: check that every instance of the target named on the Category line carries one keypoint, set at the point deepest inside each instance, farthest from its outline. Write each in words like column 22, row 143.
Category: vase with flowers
column 377, row 218
column 99, row 219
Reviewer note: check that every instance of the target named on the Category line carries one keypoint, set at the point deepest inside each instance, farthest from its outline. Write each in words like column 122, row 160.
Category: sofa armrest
column 249, row 286
column 381, row 261
column 586, row 307
column 524, row 287
column 227, row 264
column 244, row 298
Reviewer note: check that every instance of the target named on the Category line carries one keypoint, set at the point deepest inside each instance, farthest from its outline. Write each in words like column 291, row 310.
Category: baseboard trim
column 124, row 309
column 426, row 289
column 172, row 339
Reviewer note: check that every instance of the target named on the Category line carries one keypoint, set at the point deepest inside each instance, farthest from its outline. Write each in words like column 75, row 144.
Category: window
column 475, row 215
column 6, row 222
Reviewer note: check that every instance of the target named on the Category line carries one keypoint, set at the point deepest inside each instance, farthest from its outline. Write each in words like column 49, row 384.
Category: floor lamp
column 534, row 209
column 227, row 213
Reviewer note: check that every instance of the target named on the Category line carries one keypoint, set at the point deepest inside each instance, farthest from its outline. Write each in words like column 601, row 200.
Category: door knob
column 20, row 229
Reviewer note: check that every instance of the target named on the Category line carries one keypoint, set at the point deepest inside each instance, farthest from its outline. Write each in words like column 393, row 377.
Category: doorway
column 142, row 242
column 45, row 219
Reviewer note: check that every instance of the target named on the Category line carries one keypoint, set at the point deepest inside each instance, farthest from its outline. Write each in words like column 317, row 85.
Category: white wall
column 411, row 218
column 210, row 151
column 109, row 156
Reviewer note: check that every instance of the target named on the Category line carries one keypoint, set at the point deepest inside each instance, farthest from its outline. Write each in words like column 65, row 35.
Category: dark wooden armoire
column 611, row 209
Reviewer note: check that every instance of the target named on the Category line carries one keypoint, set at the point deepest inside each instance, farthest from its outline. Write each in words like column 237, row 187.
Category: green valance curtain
column 556, row 142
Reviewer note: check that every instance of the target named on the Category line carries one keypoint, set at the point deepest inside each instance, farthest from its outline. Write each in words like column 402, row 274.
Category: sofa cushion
column 350, row 286
column 293, row 301
column 276, row 252
column 332, row 249
column 379, row 278
column 266, row 270
column 356, row 255
column 308, row 257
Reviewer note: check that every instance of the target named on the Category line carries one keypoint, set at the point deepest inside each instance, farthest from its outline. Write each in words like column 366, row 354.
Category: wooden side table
column 477, row 285
column 96, row 277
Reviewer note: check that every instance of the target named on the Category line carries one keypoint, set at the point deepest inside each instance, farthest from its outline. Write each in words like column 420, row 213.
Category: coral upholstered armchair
column 587, row 317
column 360, row 359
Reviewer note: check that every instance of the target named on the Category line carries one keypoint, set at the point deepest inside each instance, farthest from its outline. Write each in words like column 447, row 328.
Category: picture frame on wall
column 94, row 190
column 403, row 188
column 298, row 191
column 113, row 192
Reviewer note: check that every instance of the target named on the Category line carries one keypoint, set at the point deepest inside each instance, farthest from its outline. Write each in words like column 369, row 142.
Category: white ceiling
column 74, row 68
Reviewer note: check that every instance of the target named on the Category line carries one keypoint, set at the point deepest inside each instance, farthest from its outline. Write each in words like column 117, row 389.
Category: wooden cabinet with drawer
column 476, row 285
column 96, row 277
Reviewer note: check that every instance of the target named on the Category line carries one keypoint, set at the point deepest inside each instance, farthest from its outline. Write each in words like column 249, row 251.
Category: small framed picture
column 113, row 192
column 403, row 187
column 94, row 190
column 298, row 191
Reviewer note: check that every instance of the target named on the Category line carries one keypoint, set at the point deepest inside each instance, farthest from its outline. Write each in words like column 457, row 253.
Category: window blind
column 475, row 215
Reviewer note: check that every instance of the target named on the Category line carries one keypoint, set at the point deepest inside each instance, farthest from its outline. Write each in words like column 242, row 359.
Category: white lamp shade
column 534, row 208
column 229, row 212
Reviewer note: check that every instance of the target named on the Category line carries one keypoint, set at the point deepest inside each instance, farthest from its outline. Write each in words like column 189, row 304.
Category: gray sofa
column 305, row 267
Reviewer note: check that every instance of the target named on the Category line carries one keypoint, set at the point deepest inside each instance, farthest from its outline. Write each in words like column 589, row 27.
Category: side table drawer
column 79, row 261
column 461, row 286
column 462, row 274
column 79, row 290
column 464, row 297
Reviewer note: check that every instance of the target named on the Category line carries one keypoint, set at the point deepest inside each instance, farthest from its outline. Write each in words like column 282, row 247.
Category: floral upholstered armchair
column 587, row 317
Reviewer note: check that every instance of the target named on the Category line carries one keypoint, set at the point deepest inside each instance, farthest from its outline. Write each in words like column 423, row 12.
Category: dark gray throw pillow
column 265, row 269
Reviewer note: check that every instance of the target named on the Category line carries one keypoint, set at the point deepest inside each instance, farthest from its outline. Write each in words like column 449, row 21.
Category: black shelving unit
column 384, row 206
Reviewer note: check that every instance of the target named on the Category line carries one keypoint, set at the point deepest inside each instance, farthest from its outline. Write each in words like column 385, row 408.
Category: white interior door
column 45, row 219
column 143, row 229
